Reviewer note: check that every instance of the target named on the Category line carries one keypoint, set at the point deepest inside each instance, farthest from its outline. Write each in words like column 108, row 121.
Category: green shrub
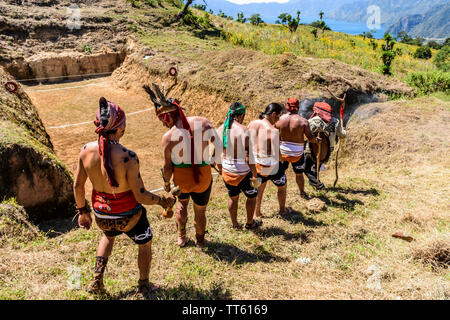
column 201, row 7
column 205, row 21
column 86, row 48
column 256, row 19
column 189, row 19
column 423, row 53
column 429, row 82
column 388, row 54
column 442, row 59
column 240, row 17
column 320, row 25
column 134, row 3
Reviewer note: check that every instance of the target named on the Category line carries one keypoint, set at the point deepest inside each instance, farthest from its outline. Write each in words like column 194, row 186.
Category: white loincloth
column 237, row 167
column 291, row 149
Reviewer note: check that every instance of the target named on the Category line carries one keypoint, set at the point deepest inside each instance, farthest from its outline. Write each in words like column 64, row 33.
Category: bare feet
column 145, row 288
column 304, row 196
column 255, row 224
column 182, row 240
column 201, row 241
column 287, row 210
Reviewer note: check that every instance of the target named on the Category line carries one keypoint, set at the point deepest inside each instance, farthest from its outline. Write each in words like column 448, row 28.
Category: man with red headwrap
column 118, row 194
column 187, row 158
column 293, row 129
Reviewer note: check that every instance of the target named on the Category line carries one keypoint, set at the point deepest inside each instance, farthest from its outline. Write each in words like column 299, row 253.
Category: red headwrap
column 116, row 120
column 292, row 105
column 185, row 124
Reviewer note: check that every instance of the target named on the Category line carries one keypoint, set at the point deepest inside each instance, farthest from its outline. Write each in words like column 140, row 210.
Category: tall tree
column 184, row 11
column 388, row 54
column 321, row 13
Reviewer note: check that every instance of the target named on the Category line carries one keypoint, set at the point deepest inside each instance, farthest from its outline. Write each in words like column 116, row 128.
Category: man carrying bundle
column 117, row 196
column 185, row 159
column 265, row 141
column 321, row 122
column 293, row 128
column 238, row 172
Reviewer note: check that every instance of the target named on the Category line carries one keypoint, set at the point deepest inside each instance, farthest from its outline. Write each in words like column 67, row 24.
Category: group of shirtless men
column 245, row 157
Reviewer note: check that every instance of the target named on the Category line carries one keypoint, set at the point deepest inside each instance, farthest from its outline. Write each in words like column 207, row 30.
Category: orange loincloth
column 290, row 159
column 184, row 178
column 232, row 179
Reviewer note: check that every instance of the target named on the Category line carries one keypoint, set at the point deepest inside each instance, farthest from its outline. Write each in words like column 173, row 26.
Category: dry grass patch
column 349, row 244
column 435, row 253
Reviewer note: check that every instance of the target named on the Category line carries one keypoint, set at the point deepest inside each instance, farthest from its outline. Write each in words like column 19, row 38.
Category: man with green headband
column 238, row 172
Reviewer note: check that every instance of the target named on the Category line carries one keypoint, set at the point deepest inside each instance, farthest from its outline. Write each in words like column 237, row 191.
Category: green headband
column 226, row 127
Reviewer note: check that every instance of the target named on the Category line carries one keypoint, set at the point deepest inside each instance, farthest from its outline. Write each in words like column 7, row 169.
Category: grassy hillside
column 270, row 39
column 354, row 50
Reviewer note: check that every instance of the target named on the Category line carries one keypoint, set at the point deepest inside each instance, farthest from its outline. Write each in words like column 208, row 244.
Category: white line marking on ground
column 65, row 77
column 86, row 122
column 65, row 88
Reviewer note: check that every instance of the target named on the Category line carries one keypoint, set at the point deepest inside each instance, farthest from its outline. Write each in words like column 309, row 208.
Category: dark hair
column 271, row 108
column 234, row 106
column 104, row 114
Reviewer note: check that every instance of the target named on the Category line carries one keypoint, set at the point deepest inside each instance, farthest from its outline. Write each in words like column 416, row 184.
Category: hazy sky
column 256, row 1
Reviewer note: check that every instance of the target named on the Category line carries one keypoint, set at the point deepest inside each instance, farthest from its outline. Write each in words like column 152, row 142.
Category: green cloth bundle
column 227, row 125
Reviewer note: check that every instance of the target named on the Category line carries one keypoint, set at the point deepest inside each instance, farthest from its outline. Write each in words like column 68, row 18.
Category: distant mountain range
column 391, row 10
column 271, row 11
column 435, row 23
column 425, row 18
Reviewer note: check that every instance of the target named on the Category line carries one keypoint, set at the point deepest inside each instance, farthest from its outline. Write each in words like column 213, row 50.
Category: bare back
column 120, row 157
column 174, row 141
column 238, row 140
column 293, row 128
column 262, row 132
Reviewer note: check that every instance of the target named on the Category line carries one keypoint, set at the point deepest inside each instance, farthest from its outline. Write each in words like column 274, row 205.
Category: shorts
column 200, row 199
column 298, row 167
column 243, row 186
column 278, row 179
column 141, row 232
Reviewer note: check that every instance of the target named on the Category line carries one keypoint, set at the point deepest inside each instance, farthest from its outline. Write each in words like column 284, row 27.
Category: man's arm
column 84, row 218
column 79, row 184
column 248, row 154
column 218, row 152
column 137, row 186
column 168, row 165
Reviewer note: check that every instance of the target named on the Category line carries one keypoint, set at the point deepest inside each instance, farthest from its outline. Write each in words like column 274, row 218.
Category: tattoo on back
column 125, row 159
column 124, row 150
column 142, row 190
column 132, row 154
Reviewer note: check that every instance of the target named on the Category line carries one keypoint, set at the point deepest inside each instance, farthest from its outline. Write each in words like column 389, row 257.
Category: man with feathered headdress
column 185, row 147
